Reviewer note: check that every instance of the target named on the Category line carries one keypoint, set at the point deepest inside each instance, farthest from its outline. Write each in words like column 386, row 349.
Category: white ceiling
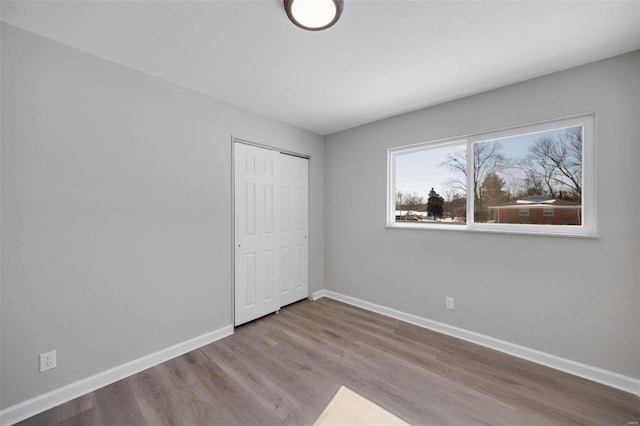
column 381, row 59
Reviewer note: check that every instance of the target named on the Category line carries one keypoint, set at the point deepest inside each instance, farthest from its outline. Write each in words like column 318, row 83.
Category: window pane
column 530, row 179
column 430, row 185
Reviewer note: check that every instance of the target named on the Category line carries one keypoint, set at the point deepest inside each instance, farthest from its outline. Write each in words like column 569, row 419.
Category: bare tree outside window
column 487, row 159
column 409, row 205
column 556, row 161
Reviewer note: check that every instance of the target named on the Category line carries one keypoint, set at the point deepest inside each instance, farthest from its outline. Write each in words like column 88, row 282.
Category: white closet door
column 257, row 208
column 294, row 229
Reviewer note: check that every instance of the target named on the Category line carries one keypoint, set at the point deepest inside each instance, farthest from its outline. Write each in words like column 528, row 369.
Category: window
column 425, row 191
column 531, row 179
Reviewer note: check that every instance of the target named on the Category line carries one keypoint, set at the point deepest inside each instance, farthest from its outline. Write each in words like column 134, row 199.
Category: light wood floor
column 284, row 369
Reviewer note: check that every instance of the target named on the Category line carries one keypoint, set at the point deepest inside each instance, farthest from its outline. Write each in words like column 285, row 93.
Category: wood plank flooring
column 285, row 369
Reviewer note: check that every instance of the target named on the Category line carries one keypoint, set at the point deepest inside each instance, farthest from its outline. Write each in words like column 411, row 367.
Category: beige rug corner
column 349, row 408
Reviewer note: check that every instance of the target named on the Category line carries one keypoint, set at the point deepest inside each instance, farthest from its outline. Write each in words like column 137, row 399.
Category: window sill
column 490, row 230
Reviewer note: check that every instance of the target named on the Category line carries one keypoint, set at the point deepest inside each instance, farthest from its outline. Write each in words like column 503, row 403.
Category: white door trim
column 270, row 147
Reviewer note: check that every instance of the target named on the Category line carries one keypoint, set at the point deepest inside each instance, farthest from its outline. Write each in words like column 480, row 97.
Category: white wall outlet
column 449, row 302
column 48, row 361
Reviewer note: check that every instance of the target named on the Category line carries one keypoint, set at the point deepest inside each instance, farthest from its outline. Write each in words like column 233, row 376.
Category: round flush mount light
column 314, row 15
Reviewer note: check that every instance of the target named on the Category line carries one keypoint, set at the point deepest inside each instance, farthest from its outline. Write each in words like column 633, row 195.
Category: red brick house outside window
column 537, row 210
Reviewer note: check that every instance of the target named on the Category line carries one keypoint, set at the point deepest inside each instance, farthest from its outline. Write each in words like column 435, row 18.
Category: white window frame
column 588, row 228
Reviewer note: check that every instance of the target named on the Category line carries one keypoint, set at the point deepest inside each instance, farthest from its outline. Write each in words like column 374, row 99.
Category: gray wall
column 574, row 298
column 116, row 212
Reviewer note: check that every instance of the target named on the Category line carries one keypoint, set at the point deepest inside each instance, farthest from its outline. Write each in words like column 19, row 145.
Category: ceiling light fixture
column 314, row 15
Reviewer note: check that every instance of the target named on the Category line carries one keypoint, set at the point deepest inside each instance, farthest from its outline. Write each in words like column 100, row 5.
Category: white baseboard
column 318, row 294
column 33, row 406
column 610, row 378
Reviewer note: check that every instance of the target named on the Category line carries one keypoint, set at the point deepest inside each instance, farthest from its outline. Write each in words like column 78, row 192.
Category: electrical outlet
column 48, row 361
column 449, row 302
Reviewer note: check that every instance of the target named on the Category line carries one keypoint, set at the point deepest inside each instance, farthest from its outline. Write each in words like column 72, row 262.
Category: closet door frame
column 234, row 140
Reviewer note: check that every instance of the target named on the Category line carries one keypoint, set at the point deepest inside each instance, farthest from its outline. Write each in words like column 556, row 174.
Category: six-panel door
column 256, row 234
column 294, row 242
